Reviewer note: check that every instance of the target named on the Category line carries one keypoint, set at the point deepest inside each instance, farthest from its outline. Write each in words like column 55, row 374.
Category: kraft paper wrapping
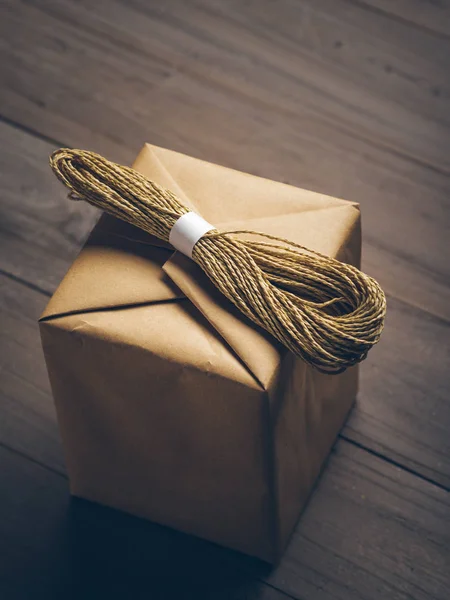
column 172, row 405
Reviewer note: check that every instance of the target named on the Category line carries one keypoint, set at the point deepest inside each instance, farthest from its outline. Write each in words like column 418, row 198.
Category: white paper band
column 186, row 232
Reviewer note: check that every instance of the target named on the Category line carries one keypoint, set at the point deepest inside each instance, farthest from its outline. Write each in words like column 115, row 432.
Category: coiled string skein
column 327, row 312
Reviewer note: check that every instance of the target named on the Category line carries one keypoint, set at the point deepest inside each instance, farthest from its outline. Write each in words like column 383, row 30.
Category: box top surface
column 122, row 267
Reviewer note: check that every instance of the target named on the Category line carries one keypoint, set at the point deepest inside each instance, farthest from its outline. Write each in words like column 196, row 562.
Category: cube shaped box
column 172, row 405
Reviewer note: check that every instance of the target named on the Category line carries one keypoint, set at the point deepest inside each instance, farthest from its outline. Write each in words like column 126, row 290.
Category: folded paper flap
column 220, row 194
column 129, row 238
column 258, row 350
column 324, row 230
column 121, row 265
column 151, row 163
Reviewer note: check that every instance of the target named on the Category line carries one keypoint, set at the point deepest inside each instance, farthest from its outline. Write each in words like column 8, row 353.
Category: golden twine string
column 327, row 312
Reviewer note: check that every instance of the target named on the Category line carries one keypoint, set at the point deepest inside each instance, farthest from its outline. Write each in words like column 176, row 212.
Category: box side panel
column 157, row 438
column 308, row 415
column 308, row 409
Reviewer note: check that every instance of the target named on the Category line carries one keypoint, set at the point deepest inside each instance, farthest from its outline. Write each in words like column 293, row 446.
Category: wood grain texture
column 371, row 531
column 324, row 94
column 40, row 230
column 403, row 410
column 126, row 52
column 28, row 420
column 375, row 531
column 431, row 15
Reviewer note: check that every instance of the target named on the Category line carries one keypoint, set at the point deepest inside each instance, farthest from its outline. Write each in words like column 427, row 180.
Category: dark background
column 345, row 97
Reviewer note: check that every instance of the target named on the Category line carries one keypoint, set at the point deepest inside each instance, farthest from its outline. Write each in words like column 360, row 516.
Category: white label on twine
column 186, row 232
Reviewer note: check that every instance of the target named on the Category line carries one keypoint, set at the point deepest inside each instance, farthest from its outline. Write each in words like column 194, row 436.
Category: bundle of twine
column 327, row 312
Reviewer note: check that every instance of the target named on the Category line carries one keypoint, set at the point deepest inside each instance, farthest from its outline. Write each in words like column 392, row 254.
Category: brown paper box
column 172, row 405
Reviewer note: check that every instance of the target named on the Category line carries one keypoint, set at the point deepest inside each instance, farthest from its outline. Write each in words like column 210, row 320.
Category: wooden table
column 345, row 97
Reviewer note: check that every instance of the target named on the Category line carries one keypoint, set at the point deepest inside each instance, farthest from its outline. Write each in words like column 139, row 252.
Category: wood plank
column 429, row 14
column 28, row 420
column 352, row 58
column 128, row 50
column 261, row 97
column 403, row 410
column 370, row 530
column 40, row 230
column 34, row 504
